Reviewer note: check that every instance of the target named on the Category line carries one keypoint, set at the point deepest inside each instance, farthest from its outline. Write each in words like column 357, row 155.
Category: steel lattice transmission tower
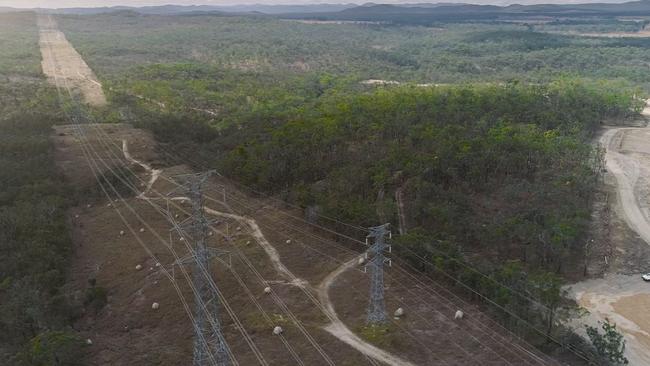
column 377, row 306
column 210, row 346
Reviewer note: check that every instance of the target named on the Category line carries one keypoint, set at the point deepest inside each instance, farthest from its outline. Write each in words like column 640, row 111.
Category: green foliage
column 19, row 52
column 54, row 348
column 380, row 335
column 449, row 53
column 35, row 246
column 95, row 297
column 610, row 344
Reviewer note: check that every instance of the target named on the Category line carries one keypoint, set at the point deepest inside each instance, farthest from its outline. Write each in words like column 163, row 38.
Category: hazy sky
column 95, row 3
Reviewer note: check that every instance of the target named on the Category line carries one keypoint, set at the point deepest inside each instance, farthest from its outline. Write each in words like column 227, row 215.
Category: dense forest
column 35, row 245
column 440, row 53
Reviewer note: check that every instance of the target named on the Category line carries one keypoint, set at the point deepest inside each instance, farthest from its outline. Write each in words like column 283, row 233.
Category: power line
column 87, row 153
column 285, row 224
column 88, row 160
column 197, row 231
column 231, row 268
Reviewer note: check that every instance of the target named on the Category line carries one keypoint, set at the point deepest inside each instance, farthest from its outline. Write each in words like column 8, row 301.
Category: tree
column 547, row 287
column 54, row 348
column 610, row 346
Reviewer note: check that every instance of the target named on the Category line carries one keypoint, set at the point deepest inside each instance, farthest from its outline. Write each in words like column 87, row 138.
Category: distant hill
column 402, row 13
column 429, row 13
column 187, row 9
column 6, row 9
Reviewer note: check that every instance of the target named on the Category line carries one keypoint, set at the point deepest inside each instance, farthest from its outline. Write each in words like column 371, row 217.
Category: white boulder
column 89, row 341
column 459, row 315
column 142, row 230
column 288, row 241
column 138, row 267
column 278, row 330
column 121, row 232
column 361, row 260
column 155, row 306
column 399, row 312
column 267, row 290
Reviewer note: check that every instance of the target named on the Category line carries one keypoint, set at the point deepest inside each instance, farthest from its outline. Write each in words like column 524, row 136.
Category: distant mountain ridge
column 416, row 12
column 426, row 13
column 186, row 9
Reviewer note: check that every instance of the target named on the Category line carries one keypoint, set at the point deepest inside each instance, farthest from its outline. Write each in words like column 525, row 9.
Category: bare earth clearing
column 124, row 331
column 318, row 296
column 620, row 297
column 61, row 60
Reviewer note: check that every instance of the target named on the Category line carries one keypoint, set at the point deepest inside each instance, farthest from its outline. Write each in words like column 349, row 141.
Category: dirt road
column 62, row 63
column 337, row 328
column 625, row 299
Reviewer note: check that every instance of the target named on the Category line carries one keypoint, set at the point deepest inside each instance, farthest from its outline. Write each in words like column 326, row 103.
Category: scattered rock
column 88, row 206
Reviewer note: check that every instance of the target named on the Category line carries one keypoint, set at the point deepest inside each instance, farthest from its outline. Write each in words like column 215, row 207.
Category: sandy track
column 621, row 298
column 337, row 328
column 61, row 62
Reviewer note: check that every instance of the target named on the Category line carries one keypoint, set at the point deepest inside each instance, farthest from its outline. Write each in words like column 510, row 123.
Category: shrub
column 54, row 348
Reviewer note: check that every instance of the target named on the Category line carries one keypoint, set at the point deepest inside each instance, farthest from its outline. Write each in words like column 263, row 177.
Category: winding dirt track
column 337, row 328
column 620, row 298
